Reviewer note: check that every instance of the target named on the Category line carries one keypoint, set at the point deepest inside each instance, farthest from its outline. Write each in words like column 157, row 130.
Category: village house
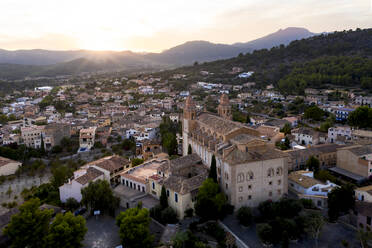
column 31, row 136
column 308, row 136
column 354, row 162
column 107, row 168
column 325, row 153
column 87, row 138
column 54, row 133
column 181, row 178
column 339, row 135
column 305, row 186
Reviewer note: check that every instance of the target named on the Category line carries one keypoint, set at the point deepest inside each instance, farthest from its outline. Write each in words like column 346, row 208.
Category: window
column 240, row 178
column 139, row 188
column 270, row 183
column 240, row 189
column 279, row 182
column 240, row 199
column 143, row 189
column 279, row 192
column 249, row 197
column 126, row 183
column 270, row 193
column 153, row 185
column 249, row 186
column 175, row 197
column 167, row 192
column 369, row 220
column 270, row 172
column 227, row 186
column 249, row 175
column 279, row 171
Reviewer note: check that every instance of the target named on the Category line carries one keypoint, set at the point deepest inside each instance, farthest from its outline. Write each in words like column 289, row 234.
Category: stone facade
column 249, row 170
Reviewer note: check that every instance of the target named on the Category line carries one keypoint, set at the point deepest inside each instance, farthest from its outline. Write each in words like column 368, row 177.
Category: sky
column 155, row 25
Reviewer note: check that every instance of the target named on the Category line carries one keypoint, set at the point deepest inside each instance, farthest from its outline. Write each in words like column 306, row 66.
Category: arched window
column 270, row 172
column 279, row 171
column 240, row 178
column 249, row 175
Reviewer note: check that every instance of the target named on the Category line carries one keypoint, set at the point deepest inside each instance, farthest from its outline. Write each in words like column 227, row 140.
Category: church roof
column 266, row 152
column 219, row 124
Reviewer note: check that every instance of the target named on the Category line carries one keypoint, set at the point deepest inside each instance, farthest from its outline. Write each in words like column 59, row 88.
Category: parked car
column 80, row 211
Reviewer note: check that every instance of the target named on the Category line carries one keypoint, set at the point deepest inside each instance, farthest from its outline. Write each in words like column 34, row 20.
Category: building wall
column 363, row 196
column 227, row 177
column 73, row 190
column 251, row 192
column 348, row 161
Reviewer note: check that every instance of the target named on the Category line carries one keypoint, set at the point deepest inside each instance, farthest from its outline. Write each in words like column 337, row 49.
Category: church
column 249, row 169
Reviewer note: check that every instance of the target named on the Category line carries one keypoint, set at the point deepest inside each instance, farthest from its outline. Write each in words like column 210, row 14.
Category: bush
column 169, row 216
column 265, row 233
column 244, row 216
column 71, row 204
column 189, row 212
column 307, row 203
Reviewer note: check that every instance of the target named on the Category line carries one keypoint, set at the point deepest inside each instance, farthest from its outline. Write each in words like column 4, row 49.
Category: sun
column 100, row 43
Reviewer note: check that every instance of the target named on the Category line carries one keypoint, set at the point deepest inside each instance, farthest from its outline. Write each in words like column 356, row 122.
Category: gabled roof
column 90, row 175
column 110, row 163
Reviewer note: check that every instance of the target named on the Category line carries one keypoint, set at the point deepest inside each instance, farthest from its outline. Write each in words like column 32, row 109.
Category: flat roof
column 347, row 174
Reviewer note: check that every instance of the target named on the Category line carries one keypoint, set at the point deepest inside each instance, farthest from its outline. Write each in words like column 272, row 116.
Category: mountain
column 38, row 62
column 338, row 59
column 282, row 36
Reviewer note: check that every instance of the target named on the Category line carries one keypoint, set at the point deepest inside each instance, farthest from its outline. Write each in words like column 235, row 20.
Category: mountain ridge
column 183, row 54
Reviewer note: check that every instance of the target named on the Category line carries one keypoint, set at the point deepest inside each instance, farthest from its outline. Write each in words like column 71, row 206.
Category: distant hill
column 338, row 58
column 282, row 36
column 22, row 63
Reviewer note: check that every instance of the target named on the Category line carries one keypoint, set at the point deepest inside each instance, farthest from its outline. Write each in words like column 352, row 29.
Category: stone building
column 54, row 133
column 249, row 170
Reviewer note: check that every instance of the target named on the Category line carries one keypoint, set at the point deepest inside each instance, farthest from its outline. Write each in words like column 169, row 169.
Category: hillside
column 22, row 63
column 272, row 65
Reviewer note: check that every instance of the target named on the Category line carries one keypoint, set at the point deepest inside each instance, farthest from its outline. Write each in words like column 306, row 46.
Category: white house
column 306, row 186
column 82, row 177
column 338, row 134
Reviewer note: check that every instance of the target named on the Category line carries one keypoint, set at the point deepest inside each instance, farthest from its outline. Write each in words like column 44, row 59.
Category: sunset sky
column 148, row 25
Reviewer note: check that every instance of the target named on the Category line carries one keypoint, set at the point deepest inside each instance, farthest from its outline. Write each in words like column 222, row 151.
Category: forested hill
column 278, row 63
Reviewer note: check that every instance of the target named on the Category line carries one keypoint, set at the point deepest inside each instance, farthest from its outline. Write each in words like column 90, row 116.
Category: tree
column 213, row 169
column 134, row 228
column 189, row 150
column 314, row 113
column 313, row 226
column 244, row 215
column 168, row 216
column 60, row 175
column 136, row 161
column 210, row 202
column 169, row 141
column 286, row 129
column 29, row 227
column 340, row 200
column 71, row 204
column 163, row 198
column 361, row 117
column 66, row 231
column 98, row 195
column 313, row 164
column 265, row 233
